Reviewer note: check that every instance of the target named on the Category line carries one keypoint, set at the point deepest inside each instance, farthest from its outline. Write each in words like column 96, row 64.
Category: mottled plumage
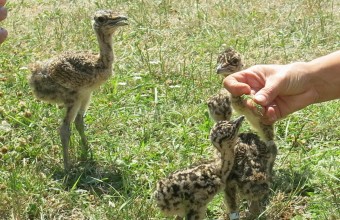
column 71, row 77
column 219, row 106
column 186, row 193
column 251, row 174
column 229, row 61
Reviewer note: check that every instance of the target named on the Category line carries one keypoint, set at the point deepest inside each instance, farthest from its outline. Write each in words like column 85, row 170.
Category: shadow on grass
column 292, row 181
column 291, row 189
column 92, row 176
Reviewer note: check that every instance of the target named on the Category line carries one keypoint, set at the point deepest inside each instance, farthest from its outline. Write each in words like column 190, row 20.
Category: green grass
column 151, row 118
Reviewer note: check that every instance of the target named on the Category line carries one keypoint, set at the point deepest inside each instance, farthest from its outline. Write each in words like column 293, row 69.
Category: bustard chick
column 254, row 156
column 219, row 106
column 252, row 169
column 186, row 193
column 71, row 77
column 229, row 61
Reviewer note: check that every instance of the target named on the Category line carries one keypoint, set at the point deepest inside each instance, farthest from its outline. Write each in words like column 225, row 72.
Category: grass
column 151, row 118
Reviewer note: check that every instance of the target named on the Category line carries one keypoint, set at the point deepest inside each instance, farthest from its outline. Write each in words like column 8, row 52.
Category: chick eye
column 100, row 19
column 233, row 61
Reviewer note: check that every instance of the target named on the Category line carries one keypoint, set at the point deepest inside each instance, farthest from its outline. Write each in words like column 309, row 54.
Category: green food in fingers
column 256, row 105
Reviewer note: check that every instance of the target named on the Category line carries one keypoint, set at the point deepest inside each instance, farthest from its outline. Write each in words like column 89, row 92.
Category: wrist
column 302, row 78
column 324, row 74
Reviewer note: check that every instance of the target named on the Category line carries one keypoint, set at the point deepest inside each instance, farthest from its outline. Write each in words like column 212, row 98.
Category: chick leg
column 254, row 208
column 196, row 214
column 231, row 200
column 80, row 126
column 65, row 133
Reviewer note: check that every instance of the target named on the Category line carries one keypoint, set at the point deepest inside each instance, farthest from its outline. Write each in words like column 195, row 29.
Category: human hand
column 279, row 89
column 3, row 15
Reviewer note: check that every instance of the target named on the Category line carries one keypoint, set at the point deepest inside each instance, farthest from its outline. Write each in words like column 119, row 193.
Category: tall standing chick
column 71, row 77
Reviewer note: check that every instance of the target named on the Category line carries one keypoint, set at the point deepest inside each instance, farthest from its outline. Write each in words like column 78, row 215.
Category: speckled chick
column 71, row 77
column 251, row 174
column 219, row 106
column 186, row 193
column 229, row 61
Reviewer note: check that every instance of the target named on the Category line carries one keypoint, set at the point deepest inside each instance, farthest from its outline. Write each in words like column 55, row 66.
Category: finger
column 3, row 35
column 236, row 87
column 284, row 106
column 268, row 93
column 2, row 3
column 255, row 108
column 271, row 115
column 3, row 13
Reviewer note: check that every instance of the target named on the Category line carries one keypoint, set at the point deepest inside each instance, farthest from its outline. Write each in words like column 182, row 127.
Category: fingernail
column 3, row 35
column 273, row 119
column 260, row 98
column 3, row 13
column 3, row 31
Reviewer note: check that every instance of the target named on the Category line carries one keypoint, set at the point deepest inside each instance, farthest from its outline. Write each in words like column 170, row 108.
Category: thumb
column 268, row 93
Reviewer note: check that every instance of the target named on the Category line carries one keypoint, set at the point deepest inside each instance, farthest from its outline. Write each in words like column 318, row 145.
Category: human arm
column 3, row 15
column 284, row 89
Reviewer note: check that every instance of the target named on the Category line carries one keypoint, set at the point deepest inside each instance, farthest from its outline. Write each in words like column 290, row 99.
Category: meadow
column 151, row 117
